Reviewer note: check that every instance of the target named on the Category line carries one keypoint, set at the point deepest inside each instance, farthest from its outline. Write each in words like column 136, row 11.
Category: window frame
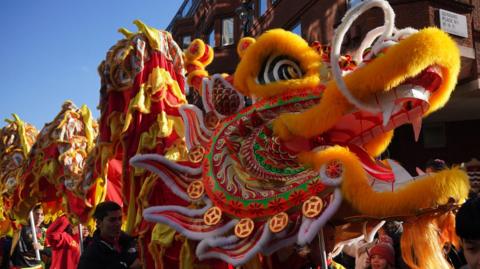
column 185, row 45
column 211, row 37
column 224, row 20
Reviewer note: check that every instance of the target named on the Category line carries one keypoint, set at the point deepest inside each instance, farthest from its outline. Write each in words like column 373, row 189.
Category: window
column 211, row 38
column 297, row 29
column 263, row 6
column 227, row 32
column 186, row 40
column 352, row 3
column 186, row 8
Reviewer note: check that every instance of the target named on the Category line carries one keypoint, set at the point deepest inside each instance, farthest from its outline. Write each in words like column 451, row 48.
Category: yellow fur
column 407, row 59
column 421, row 248
column 425, row 193
column 404, row 60
column 276, row 42
column 243, row 45
column 422, row 242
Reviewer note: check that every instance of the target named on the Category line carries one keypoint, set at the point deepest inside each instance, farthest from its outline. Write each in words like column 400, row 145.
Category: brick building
column 452, row 134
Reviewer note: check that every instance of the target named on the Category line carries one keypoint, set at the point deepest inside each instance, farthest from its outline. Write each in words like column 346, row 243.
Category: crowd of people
column 385, row 253
column 62, row 245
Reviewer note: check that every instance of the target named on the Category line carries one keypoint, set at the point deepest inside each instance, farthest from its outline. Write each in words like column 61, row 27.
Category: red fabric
column 65, row 248
column 385, row 250
column 114, row 185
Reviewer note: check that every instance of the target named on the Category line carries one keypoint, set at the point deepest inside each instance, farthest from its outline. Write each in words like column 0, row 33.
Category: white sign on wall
column 453, row 23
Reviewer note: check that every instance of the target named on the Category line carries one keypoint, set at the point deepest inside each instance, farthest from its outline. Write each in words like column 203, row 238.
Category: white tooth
column 401, row 175
column 417, row 127
column 386, row 101
column 419, row 92
column 387, row 112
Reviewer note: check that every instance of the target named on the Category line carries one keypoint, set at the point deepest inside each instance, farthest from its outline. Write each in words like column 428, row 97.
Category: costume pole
column 80, row 232
column 34, row 236
column 323, row 253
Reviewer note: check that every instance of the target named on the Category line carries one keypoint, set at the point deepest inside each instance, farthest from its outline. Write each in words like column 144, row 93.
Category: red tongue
column 430, row 79
column 373, row 167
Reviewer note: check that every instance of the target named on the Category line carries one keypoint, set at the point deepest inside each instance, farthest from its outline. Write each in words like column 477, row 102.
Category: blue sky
column 50, row 50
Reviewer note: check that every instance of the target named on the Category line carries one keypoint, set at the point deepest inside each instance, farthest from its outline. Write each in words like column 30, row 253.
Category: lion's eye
column 279, row 68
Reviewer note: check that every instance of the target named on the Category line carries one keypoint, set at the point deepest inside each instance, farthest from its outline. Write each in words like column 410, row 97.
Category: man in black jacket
column 110, row 248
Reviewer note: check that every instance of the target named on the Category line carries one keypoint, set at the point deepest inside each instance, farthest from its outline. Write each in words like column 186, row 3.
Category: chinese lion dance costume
column 16, row 140
column 53, row 173
column 271, row 175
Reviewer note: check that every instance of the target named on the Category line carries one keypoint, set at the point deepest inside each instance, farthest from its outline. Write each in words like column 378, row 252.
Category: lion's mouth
column 405, row 104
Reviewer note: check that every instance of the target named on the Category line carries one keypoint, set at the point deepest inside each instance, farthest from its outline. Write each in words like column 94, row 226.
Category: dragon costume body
column 16, row 141
column 244, row 181
column 271, row 175
column 143, row 86
column 53, row 173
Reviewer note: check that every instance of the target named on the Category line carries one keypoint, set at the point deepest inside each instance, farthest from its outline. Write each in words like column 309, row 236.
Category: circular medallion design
column 244, row 228
column 334, row 169
column 312, row 207
column 195, row 190
column 278, row 222
column 196, row 154
column 212, row 216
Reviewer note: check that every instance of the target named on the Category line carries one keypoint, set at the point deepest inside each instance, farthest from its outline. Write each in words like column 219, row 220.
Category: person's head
column 393, row 228
column 382, row 255
column 467, row 223
column 38, row 216
column 108, row 216
column 435, row 165
column 85, row 231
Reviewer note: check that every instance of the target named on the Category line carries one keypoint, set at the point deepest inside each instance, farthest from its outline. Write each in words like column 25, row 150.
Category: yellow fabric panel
column 186, row 256
column 163, row 235
column 89, row 128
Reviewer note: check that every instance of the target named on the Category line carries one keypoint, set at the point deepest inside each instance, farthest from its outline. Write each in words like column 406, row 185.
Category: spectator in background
column 23, row 255
column 111, row 248
column 382, row 254
column 64, row 244
column 468, row 229
column 435, row 165
column 5, row 245
column 394, row 229
column 87, row 238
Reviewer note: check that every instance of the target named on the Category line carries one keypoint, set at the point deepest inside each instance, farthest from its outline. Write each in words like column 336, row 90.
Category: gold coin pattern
column 244, row 228
column 196, row 189
column 212, row 216
column 278, row 222
column 312, row 207
column 196, row 154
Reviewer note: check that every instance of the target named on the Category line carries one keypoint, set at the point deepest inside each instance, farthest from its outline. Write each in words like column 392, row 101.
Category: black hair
column 102, row 209
column 37, row 206
column 436, row 164
column 467, row 221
